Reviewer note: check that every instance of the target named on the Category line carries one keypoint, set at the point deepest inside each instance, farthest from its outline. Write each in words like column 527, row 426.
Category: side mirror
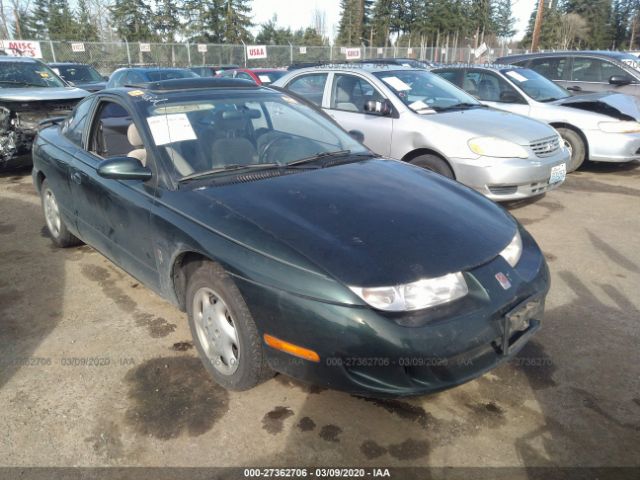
column 123, row 168
column 357, row 134
column 105, row 78
column 509, row 97
column 619, row 80
column 382, row 108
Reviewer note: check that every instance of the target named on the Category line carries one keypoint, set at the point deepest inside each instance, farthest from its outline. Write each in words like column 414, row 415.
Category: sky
column 297, row 13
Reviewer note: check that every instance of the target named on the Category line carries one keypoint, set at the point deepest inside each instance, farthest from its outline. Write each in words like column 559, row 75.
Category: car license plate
column 558, row 174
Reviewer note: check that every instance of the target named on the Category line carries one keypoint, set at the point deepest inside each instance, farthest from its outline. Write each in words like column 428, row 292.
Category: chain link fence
column 107, row 56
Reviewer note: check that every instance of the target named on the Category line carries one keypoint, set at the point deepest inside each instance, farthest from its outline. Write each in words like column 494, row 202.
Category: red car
column 261, row 76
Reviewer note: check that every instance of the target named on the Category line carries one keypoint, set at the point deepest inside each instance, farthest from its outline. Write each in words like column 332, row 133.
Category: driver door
column 348, row 96
column 114, row 215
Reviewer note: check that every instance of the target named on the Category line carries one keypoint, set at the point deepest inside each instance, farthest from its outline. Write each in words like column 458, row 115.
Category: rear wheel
column 433, row 163
column 573, row 141
column 223, row 330
column 56, row 227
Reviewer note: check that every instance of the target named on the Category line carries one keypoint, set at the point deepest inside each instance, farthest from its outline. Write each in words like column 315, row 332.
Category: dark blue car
column 290, row 245
column 139, row 75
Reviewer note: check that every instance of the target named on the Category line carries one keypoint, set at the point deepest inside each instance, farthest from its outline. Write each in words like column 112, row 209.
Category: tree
column 503, row 19
column 237, row 21
column 62, row 24
column 87, row 30
column 167, row 20
column 132, row 20
column 37, row 22
column 550, row 31
column 597, row 14
column 573, row 30
column 354, row 21
column 204, row 20
column 271, row 34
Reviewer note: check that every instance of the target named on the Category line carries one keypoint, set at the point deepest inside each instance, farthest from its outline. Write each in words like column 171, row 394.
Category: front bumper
column 366, row 352
column 613, row 147
column 504, row 179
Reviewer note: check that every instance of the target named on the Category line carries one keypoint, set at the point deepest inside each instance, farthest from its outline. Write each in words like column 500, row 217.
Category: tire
column 433, row 163
column 56, row 227
column 574, row 141
column 223, row 330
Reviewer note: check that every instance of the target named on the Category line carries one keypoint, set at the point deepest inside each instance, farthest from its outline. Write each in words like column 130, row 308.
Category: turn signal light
column 291, row 349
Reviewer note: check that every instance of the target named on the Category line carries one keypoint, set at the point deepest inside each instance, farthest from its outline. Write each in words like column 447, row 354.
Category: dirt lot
column 572, row 397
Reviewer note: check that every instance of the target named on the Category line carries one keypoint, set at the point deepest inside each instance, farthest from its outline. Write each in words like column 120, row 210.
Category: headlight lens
column 513, row 251
column 496, row 147
column 416, row 295
column 620, row 127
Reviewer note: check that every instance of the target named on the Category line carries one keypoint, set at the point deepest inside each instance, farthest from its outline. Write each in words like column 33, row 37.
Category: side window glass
column 471, row 82
column 351, row 93
column 552, row 68
column 450, row 76
column 310, row 87
column 114, row 134
column 75, row 125
column 594, row 70
column 492, row 88
column 244, row 76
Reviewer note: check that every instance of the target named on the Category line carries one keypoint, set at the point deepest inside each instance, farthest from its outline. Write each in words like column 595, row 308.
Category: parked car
column 598, row 126
column 30, row 92
column 405, row 62
column 260, row 76
column 80, row 75
column 212, row 70
column 415, row 116
column 290, row 245
column 584, row 72
column 141, row 75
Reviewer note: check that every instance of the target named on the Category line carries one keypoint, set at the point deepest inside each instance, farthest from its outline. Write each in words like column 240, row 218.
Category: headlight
column 416, row 295
column 513, row 251
column 496, row 147
column 620, row 127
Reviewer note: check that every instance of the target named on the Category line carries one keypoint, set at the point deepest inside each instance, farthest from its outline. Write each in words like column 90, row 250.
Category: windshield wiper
column 229, row 168
column 332, row 155
column 459, row 106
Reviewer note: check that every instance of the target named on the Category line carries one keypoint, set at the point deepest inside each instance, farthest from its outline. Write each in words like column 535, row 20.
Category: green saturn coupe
column 290, row 245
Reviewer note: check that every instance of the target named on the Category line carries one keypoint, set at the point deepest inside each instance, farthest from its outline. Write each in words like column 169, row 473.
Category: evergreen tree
column 597, row 14
column 271, row 34
column 167, row 20
column 237, row 21
column 354, row 26
column 36, row 25
column 62, row 25
column 204, row 20
column 503, row 19
column 132, row 20
column 87, row 30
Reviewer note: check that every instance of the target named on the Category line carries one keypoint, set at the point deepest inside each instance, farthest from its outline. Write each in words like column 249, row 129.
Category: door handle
column 76, row 177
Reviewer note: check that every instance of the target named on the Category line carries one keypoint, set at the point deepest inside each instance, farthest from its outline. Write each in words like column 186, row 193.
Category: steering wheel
column 264, row 153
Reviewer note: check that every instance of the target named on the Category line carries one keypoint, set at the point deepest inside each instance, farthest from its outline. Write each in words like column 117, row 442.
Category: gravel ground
column 142, row 398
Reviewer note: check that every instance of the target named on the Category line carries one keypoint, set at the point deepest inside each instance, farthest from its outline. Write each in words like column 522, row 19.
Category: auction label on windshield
column 171, row 128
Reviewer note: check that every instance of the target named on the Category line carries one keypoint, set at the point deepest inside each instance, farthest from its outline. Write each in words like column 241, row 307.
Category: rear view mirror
column 382, row 107
column 123, row 168
column 619, row 80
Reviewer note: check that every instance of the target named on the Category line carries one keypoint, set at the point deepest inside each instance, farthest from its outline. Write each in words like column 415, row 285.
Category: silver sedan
column 599, row 126
column 413, row 115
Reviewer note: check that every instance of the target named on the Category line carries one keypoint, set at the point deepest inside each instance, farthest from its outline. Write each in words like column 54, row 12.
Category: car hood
column 375, row 222
column 489, row 122
column 33, row 94
column 617, row 105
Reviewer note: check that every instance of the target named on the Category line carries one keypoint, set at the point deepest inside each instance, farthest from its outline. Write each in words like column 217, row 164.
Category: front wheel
column 223, row 330
column 573, row 141
column 56, row 227
column 433, row 163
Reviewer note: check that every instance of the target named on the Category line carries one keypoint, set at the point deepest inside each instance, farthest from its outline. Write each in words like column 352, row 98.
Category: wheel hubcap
column 52, row 213
column 216, row 331
column 569, row 147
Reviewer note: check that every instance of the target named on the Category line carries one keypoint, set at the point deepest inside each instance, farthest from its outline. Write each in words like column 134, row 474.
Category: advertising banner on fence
column 21, row 48
column 352, row 53
column 202, row 47
column 256, row 51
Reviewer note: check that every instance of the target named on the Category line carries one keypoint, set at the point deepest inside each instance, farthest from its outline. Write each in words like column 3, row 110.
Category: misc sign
column 145, row 47
column 303, row 50
column 352, row 53
column 481, row 50
column 21, row 48
column 256, row 51
column 202, row 48
column 77, row 47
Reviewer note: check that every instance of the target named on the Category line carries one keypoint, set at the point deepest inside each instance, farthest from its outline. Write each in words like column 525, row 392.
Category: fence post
column 244, row 48
column 331, row 53
column 53, row 52
column 128, row 52
column 188, row 54
column 290, row 53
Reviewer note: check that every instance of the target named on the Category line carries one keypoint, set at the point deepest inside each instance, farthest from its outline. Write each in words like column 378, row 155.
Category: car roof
column 9, row 59
column 484, row 66
column 355, row 67
column 67, row 64
column 576, row 53
column 201, row 83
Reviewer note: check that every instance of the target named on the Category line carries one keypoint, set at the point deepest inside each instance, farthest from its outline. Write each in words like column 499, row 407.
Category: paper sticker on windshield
column 396, row 83
column 135, row 93
column 43, row 74
column 171, row 128
column 264, row 78
column 516, row 76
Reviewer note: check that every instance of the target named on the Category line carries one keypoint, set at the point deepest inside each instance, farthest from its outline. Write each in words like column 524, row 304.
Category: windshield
column 157, row 75
column 248, row 131
column 28, row 75
column 535, row 85
column 78, row 73
column 270, row 77
column 424, row 92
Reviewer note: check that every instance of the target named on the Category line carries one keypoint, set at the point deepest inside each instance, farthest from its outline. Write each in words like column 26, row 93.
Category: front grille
column 503, row 189
column 545, row 147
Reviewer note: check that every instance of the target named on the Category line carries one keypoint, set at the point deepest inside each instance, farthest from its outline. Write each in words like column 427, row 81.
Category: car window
column 28, row 75
column 166, row 74
column 75, row 125
column 110, row 132
column 309, row 86
column 535, row 85
column 244, row 76
column 587, row 69
column 552, row 68
column 489, row 87
column 79, row 73
column 351, row 93
column 132, row 77
column 450, row 76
